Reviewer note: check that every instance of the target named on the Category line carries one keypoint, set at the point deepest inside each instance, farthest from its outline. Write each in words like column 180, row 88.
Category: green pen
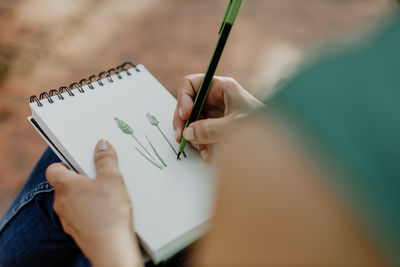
column 226, row 26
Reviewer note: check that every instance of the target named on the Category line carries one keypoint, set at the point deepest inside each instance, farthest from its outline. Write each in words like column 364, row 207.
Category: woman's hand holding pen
column 226, row 102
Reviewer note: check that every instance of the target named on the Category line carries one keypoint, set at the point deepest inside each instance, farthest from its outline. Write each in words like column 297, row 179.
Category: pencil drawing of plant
column 126, row 129
column 153, row 120
column 144, row 155
column 156, row 152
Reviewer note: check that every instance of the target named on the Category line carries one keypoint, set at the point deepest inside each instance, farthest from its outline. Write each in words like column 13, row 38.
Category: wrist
column 121, row 249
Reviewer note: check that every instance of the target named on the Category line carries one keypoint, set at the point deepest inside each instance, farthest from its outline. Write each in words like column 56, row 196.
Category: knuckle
column 102, row 156
column 224, row 83
column 110, row 172
column 182, row 90
column 191, row 77
column 179, row 94
column 196, row 146
column 114, row 172
column 230, row 81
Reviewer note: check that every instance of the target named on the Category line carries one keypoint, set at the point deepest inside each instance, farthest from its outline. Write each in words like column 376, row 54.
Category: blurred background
column 45, row 44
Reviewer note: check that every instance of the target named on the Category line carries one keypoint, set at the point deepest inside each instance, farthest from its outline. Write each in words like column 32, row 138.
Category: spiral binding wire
column 89, row 82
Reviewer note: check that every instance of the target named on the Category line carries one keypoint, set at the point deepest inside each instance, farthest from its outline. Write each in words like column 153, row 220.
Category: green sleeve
column 349, row 105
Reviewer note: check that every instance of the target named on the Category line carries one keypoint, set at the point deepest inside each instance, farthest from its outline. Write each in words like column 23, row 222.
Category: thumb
column 207, row 131
column 105, row 160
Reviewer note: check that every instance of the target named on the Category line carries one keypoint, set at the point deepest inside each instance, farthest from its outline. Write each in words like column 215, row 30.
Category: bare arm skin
column 274, row 210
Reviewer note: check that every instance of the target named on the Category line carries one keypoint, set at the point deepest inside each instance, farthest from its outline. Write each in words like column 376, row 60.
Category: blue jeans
column 31, row 233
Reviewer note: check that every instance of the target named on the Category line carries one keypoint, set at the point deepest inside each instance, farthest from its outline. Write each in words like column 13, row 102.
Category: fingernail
column 109, row 146
column 188, row 134
column 204, row 154
column 180, row 112
column 101, row 145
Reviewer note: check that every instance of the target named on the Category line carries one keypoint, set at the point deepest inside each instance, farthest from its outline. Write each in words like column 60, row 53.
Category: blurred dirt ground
column 45, row 44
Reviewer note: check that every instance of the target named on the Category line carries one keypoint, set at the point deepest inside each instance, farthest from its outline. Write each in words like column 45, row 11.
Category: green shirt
column 349, row 104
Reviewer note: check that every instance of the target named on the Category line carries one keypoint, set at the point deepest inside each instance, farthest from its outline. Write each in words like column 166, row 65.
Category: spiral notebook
column 133, row 111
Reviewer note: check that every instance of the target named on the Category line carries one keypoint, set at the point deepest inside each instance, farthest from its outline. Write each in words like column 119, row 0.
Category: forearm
column 122, row 250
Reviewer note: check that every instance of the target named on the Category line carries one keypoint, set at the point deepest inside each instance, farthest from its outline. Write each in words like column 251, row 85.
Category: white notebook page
column 168, row 203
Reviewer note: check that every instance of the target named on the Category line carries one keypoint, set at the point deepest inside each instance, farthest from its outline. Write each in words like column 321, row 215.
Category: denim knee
column 30, row 231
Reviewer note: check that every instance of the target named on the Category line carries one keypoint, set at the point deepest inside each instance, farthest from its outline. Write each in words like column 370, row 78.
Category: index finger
column 191, row 85
column 57, row 174
column 185, row 96
column 178, row 124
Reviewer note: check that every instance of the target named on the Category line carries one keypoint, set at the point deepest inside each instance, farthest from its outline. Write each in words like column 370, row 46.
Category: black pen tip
column 179, row 154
